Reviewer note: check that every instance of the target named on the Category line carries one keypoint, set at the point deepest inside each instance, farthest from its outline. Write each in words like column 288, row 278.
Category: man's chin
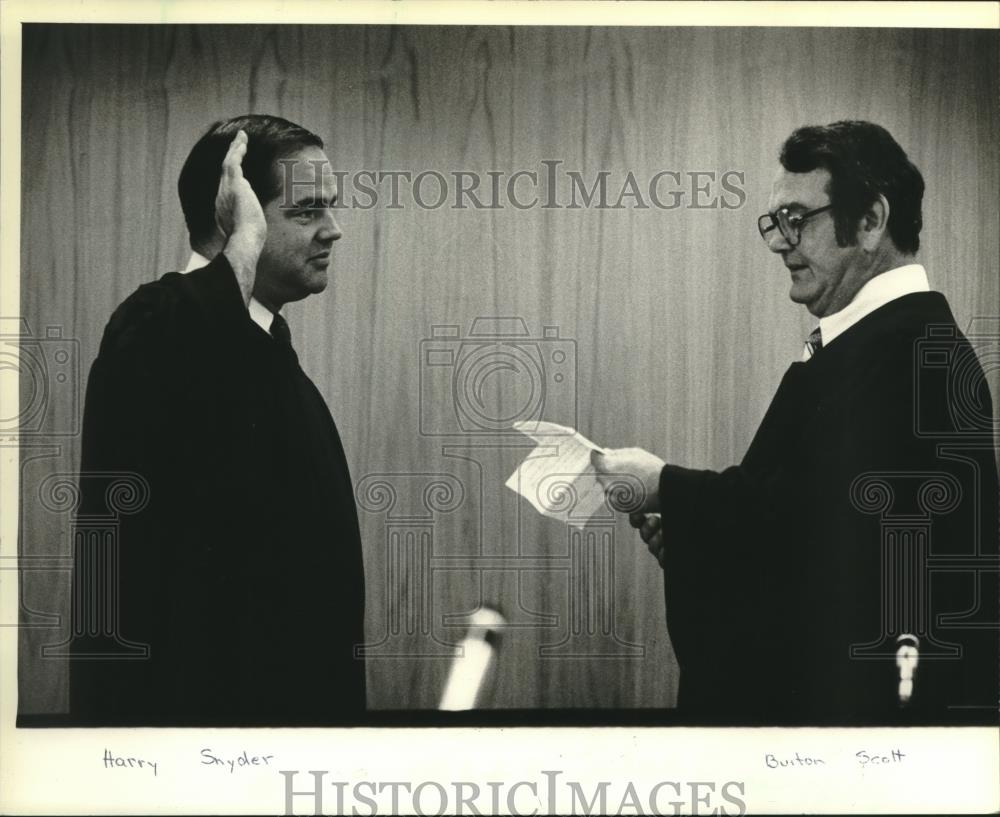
column 313, row 286
column 798, row 293
column 804, row 295
column 318, row 282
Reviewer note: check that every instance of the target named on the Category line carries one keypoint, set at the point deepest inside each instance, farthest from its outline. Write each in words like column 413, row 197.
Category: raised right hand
column 240, row 217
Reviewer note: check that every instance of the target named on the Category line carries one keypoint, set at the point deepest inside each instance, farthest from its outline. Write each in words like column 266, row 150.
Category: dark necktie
column 814, row 342
column 281, row 334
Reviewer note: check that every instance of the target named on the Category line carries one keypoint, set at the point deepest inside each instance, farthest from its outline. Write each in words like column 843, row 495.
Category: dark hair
column 269, row 138
column 864, row 161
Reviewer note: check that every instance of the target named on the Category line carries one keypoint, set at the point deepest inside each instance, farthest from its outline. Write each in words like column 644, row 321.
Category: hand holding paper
column 567, row 476
column 614, row 464
column 557, row 476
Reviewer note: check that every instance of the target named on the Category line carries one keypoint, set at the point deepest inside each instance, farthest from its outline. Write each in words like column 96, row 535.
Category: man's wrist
column 243, row 251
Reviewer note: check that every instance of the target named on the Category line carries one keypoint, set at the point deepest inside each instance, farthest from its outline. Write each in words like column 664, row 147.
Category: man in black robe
column 241, row 579
column 845, row 571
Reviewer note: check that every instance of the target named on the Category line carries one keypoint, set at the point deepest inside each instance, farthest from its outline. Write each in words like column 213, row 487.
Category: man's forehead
column 807, row 190
column 308, row 173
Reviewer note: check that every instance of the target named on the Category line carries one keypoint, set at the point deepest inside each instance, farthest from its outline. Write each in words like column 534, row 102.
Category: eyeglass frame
column 795, row 222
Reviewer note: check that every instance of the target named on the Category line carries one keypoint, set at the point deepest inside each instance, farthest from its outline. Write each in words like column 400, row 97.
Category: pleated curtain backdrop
column 669, row 328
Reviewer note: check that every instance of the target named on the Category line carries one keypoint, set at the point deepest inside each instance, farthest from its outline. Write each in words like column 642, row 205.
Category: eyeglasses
column 790, row 226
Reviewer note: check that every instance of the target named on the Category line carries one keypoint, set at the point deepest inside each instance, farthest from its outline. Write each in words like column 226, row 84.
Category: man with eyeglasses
column 836, row 575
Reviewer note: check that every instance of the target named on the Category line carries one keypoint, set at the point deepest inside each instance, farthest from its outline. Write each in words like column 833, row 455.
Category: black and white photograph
column 528, row 382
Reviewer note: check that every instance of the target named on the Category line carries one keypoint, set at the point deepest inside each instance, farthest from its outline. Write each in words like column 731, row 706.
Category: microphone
column 473, row 661
column 907, row 658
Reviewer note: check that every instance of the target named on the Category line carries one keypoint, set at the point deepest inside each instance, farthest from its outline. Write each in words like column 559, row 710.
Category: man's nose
column 329, row 230
column 776, row 241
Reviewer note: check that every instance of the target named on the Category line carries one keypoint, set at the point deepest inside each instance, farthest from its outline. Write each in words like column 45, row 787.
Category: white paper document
column 557, row 477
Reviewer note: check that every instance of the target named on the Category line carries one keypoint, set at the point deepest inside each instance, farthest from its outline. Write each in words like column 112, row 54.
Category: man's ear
column 874, row 223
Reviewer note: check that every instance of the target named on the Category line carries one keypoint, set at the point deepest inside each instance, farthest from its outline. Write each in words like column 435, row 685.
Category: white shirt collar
column 260, row 314
column 880, row 290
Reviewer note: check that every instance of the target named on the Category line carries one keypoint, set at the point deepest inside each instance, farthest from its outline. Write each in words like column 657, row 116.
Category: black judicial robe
column 773, row 571
column 243, row 574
